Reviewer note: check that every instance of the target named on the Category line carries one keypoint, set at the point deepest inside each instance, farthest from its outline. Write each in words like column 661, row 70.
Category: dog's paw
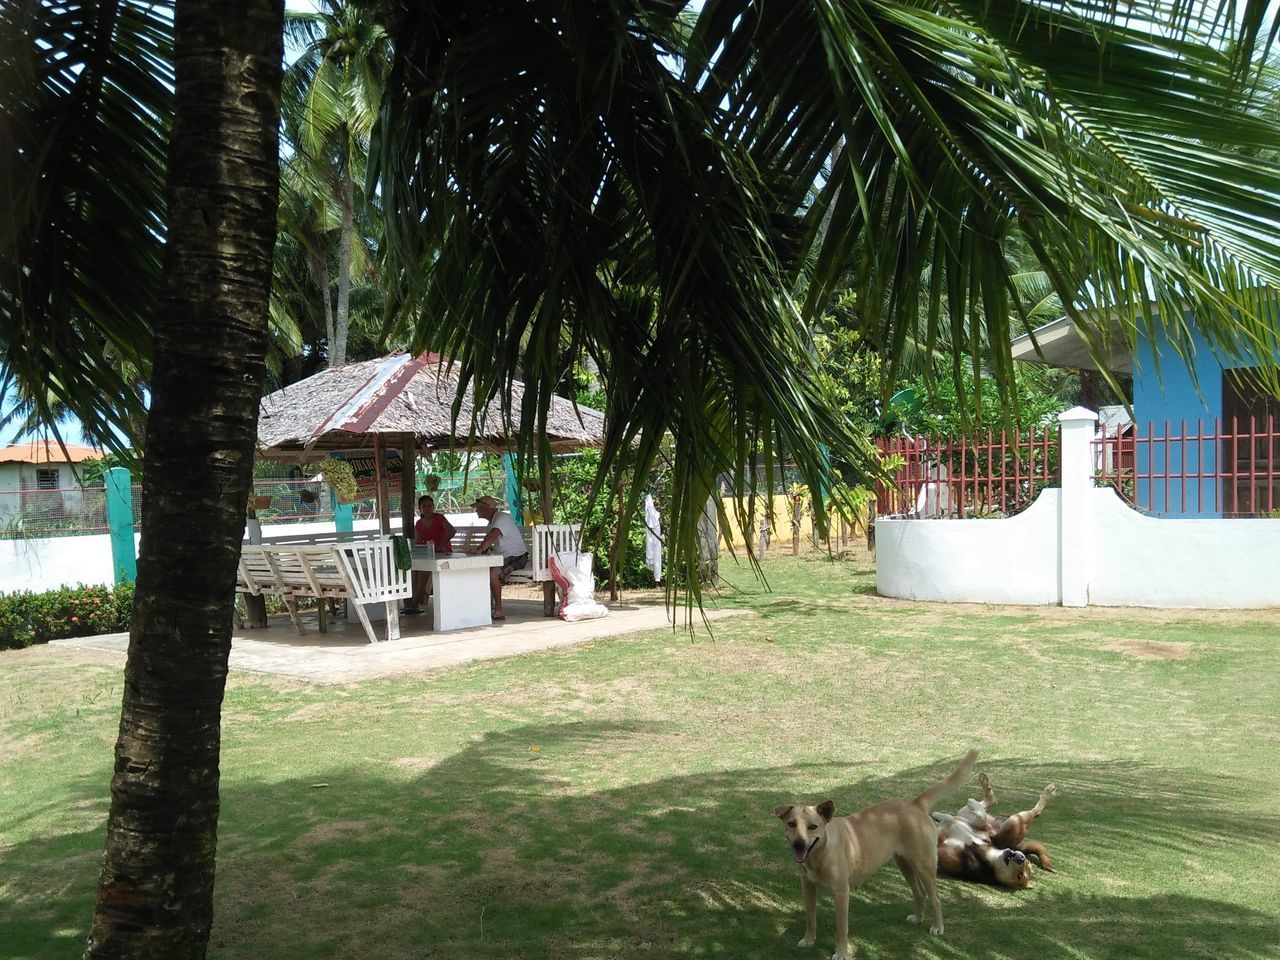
column 936, row 931
column 840, row 955
column 807, row 942
column 984, row 780
column 1048, row 792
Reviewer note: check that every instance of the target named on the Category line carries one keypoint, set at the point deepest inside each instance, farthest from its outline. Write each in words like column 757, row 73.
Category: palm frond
column 539, row 160
column 536, row 158
column 85, row 118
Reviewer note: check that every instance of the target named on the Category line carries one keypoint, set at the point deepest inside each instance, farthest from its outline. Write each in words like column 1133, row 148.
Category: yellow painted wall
column 781, row 522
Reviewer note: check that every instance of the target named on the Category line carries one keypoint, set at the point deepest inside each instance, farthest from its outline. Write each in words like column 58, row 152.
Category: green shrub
column 29, row 618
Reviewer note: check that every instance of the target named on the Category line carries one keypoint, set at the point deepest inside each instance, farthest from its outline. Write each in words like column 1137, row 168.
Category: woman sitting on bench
column 435, row 529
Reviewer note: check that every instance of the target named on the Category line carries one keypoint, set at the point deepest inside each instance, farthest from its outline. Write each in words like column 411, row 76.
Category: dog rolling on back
column 840, row 853
column 974, row 845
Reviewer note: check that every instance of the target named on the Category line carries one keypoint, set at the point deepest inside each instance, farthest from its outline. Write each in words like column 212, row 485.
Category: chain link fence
column 31, row 513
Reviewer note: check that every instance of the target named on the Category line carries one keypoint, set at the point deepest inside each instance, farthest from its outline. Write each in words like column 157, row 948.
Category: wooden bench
column 360, row 572
column 544, row 540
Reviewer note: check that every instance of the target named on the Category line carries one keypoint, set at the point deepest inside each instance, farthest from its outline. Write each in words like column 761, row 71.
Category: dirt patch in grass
column 328, row 710
column 929, row 611
column 53, row 686
column 331, row 831
column 415, row 764
column 1151, row 650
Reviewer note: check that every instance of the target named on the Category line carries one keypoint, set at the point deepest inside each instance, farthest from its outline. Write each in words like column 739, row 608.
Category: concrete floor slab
column 344, row 655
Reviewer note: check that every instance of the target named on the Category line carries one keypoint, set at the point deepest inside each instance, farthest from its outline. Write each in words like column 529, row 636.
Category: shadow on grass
column 498, row 852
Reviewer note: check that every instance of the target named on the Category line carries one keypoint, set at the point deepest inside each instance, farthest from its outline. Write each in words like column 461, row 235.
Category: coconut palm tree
column 90, row 90
column 536, row 157
column 331, row 95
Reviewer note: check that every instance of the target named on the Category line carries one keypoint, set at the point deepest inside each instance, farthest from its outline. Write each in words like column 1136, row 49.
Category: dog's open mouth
column 803, row 855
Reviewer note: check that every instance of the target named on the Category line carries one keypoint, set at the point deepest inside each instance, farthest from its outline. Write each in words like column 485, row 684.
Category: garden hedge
column 29, row 618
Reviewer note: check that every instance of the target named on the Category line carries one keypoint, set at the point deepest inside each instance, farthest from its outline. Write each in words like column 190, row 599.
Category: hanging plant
column 338, row 475
column 432, row 483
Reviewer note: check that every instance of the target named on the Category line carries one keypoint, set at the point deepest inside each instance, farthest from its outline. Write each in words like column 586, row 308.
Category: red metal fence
column 1220, row 469
column 996, row 474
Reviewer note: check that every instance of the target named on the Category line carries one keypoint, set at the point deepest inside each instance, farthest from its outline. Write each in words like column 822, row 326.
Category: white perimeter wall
column 47, row 564
column 1136, row 561
column 39, row 565
column 972, row 561
column 1145, row 562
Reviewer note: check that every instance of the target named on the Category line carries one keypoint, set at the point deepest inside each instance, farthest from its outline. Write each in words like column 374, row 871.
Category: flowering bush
column 29, row 618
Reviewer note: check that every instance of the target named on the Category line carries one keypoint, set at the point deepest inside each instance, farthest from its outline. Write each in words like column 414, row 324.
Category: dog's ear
column 827, row 809
column 781, row 811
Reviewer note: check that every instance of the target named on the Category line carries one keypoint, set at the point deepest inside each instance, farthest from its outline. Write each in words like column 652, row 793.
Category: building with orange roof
column 38, row 477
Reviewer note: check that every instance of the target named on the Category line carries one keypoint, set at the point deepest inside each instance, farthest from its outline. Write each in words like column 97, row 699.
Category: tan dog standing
column 840, row 853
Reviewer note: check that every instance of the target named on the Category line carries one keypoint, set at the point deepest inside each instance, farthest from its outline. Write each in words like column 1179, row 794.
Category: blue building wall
column 1173, row 397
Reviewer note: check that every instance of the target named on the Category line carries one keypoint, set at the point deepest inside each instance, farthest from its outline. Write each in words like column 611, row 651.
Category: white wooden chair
column 360, row 572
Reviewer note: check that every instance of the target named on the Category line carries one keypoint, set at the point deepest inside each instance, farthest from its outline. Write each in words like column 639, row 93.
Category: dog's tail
column 957, row 776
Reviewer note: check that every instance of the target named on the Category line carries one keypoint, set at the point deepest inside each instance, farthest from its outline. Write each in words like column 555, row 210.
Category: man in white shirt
column 503, row 537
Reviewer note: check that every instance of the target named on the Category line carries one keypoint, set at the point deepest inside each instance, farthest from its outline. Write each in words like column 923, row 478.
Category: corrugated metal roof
column 47, row 451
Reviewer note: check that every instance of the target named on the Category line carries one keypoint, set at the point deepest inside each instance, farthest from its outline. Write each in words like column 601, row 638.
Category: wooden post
column 762, row 533
column 709, row 543
column 380, row 484
column 255, row 607
column 548, row 587
column 616, row 547
column 408, row 482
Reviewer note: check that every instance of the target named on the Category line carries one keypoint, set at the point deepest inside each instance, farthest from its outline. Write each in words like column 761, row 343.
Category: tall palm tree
column 331, row 96
column 535, row 156
column 84, row 270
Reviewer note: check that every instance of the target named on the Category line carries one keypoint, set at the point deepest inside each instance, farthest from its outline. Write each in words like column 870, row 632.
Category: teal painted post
column 341, row 515
column 824, row 485
column 124, row 561
column 824, row 493
column 514, row 501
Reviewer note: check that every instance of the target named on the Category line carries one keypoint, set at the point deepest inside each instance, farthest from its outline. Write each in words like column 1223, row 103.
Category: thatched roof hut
column 342, row 408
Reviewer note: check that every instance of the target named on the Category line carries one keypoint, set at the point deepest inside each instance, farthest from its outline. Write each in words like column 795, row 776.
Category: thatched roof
column 343, row 407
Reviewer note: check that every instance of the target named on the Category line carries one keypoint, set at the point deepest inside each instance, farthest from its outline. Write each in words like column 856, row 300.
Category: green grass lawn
column 612, row 800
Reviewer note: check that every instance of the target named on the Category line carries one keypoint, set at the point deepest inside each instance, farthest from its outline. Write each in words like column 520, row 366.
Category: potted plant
column 432, row 483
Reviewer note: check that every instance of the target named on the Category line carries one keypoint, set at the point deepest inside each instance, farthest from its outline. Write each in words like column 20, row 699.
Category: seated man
column 504, row 537
column 435, row 529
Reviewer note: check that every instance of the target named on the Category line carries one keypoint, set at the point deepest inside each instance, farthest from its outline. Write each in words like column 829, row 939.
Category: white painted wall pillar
column 1077, row 537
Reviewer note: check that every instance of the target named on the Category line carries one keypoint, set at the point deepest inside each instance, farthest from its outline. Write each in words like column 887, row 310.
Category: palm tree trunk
column 338, row 345
column 318, row 267
column 155, row 897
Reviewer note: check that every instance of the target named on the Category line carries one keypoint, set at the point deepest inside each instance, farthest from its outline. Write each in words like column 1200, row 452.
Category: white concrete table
column 460, row 585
